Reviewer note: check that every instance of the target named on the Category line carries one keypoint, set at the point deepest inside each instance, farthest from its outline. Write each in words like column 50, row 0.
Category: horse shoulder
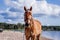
column 37, row 26
column 37, row 22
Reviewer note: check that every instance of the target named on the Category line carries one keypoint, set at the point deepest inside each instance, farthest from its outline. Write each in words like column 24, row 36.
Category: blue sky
column 57, row 2
column 46, row 11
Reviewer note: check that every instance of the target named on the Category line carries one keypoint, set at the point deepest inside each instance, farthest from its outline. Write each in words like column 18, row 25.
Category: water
column 55, row 35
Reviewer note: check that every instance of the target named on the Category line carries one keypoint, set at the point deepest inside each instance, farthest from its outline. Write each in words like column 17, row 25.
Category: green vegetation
column 11, row 26
column 19, row 26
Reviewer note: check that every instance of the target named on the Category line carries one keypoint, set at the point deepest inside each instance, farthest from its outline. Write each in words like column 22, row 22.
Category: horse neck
column 32, row 22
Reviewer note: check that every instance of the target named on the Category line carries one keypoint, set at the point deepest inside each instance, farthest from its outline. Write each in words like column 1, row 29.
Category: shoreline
column 15, row 35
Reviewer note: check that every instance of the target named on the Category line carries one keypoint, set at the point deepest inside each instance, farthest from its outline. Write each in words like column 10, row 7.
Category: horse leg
column 33, row 37
column 27, row 37
column 38, row 37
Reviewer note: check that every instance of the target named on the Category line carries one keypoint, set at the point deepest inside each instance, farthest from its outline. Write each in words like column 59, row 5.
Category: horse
column 33, row 27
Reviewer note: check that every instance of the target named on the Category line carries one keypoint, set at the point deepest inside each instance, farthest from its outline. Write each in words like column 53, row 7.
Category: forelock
column 28, row 10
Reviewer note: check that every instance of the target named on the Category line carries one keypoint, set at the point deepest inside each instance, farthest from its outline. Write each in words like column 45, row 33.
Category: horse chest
column 28, row 31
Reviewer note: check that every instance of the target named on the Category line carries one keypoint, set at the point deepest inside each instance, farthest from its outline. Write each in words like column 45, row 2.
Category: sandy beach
column 15, row 35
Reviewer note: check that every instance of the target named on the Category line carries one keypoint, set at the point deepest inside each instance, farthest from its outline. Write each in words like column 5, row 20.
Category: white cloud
column 38, row 6
column 41, row 7
column 1, row 11
column 20, row 1
column 12, row 14
column 29, row 3
column 45, row 8
column 9, row 20
column 14, row 4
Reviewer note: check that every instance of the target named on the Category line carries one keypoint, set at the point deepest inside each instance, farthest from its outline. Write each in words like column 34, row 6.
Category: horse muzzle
column 27, row 24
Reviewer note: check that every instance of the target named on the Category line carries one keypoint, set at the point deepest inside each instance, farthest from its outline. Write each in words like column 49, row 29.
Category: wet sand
column 15, row 35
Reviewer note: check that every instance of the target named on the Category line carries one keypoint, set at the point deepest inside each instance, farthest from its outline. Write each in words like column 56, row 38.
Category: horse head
column 27, row 16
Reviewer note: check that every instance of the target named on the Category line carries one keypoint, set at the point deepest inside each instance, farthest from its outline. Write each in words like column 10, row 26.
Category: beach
column 15, row 35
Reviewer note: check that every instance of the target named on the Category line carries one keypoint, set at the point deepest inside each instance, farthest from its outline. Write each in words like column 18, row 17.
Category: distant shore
column 21, row 26
column 15, row 35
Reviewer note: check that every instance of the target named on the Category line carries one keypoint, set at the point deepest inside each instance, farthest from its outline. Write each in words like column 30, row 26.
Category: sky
column 46, row 11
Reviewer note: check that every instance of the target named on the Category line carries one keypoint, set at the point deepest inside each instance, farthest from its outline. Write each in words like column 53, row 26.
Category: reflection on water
column 55, row 35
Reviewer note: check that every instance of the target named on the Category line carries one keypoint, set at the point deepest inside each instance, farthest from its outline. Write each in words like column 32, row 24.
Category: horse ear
column 31, row 8
column 24, row 8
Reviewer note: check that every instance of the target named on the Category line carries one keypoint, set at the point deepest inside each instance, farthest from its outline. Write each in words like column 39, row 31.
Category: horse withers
column 33, row 27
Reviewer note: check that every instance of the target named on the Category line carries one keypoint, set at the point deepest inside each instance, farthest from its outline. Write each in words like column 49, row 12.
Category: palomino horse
column 33, row 27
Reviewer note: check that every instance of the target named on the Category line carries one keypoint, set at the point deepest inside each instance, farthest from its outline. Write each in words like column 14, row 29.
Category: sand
column 15, row 35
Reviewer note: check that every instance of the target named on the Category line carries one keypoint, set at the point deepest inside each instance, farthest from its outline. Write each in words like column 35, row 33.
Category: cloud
column 45, row 8
column 1, row 11
column 12, row 21
column 2, row 19
column 41, row 8
column 14, row 4
column 10, row 16
column 15, row 10
column 9, row 20
column 39, row 15
column 38, row 6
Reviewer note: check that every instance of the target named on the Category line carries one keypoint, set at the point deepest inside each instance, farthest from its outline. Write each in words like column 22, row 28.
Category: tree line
column 21, row 26
column 11, row 26
column 51, row 28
